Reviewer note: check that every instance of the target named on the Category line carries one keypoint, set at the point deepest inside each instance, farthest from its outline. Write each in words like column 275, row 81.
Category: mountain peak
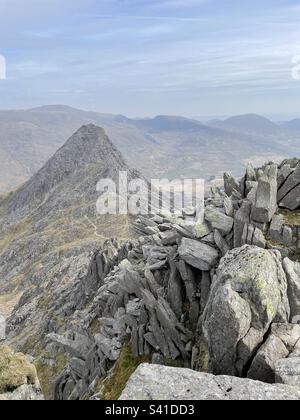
column 89, row 150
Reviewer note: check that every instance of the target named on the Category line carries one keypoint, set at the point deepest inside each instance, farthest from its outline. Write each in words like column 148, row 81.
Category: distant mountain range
column 164, row 146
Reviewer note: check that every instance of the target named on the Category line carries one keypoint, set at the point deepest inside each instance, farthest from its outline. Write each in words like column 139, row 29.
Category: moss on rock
column 291, row 218
column 15, row 371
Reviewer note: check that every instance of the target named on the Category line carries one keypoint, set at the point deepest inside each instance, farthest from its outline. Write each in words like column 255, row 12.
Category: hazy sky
column 146, row 57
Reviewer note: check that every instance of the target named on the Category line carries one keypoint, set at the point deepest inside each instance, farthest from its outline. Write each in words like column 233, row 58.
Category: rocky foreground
column 151, row 382
column 219, row 296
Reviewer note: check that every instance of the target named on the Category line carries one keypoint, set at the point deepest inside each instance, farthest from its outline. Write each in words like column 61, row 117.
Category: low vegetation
column 112, row 387
column 15, row 370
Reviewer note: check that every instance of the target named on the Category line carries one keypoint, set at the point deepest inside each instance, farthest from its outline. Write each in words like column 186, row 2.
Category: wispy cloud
column 139, row 56
column 167, row 4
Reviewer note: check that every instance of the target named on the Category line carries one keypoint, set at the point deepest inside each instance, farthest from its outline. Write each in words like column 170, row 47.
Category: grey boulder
column 287, row 371
column 248, row 294
column 266, row 196
column 198, row 254
column 154, row 382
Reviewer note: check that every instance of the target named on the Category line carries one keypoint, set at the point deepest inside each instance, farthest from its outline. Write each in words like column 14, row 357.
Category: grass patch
column 8, row 302
column 15, row 370
column 95, row 326
column 112, row 388
column 47, row 374
column 291, row 218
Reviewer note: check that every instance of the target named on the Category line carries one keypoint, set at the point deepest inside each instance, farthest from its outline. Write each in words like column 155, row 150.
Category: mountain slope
column 31, row 137
column 292, row 126
column 54, row 214
column 168, row 123
column 88, row 147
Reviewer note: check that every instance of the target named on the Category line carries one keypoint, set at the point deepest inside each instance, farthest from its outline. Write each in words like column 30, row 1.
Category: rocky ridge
column 219, row 295
column 54, row 214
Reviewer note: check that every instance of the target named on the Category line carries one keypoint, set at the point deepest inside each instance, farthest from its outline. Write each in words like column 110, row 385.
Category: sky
column 150, row 57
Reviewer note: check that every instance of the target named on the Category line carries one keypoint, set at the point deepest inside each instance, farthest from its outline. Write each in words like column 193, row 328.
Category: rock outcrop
column 288, row 371
column 248, row 293
column 152, row 382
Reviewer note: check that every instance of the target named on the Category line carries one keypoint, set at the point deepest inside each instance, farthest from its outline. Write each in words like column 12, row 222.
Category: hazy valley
column 172, row 147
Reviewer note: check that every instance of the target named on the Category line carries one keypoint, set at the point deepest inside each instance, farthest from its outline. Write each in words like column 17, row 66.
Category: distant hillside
column 251, row 124
column 164, row 146
column 292, row 126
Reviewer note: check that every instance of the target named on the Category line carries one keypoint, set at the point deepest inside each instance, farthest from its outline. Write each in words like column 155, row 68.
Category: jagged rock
column 78, row 367
column 78, row 347
column 287, row 236
column 175, row 290
column 218, row 220
column 251, row 188
column 292, row 200
column 222, row 343
column 191, row 289
column 249, row 291
column 229, row 206
column 201, row 229
column 266, row 196
column 253, row 236
column 289, row 194
column 283, row 173
column 242, row 218
column 230, row 184
column 154, row 382
column 169, row 238
column 250, row 173
column 263, row 365
column 221, row 242
column 276, row 227
column 259, row 238
column 111, row 348
column 197, row 254
column 205, row 287
column 292, row 270
column 287, row 371
column 289, row 334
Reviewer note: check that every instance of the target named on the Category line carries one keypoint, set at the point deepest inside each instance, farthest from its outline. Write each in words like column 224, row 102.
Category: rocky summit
column 187, row 307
